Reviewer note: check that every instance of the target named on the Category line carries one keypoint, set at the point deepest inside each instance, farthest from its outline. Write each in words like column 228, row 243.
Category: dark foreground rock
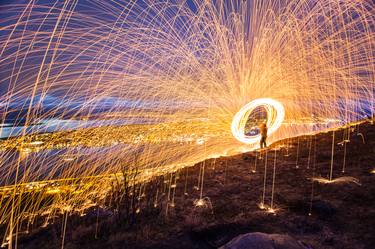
column 264, row 241
column 337, row 215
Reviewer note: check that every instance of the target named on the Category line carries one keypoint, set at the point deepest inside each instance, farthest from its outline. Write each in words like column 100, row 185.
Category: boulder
column 264, row 241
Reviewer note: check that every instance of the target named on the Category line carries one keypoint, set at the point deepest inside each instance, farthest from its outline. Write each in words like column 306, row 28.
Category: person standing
column 263, row 135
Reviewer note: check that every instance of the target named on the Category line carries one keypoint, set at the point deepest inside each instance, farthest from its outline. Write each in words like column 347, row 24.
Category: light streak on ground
column 344, row 179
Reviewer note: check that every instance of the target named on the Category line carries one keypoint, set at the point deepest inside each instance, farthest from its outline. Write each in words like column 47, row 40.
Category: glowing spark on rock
column 262, row 206
column 199, row 203
column 271, row 211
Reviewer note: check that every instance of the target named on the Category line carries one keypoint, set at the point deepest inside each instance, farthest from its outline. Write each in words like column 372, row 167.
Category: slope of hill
column 323, row 214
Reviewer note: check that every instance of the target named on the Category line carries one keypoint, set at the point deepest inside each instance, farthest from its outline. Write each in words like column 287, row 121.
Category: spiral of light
column 275, row 116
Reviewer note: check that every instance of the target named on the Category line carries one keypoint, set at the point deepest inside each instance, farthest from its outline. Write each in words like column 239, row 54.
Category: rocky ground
column 340, row 214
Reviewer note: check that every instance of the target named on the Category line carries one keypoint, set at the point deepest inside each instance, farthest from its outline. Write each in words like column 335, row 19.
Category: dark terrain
column 342, row 215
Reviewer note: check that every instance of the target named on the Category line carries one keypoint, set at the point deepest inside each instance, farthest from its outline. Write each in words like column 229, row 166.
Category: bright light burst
column 163, row 80
column 275, row 116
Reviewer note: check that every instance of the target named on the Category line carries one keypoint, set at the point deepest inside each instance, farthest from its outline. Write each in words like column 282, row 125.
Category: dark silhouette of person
column 263, row 135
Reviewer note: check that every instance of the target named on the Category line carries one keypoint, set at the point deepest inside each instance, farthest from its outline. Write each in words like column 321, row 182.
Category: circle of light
column 275, row 116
